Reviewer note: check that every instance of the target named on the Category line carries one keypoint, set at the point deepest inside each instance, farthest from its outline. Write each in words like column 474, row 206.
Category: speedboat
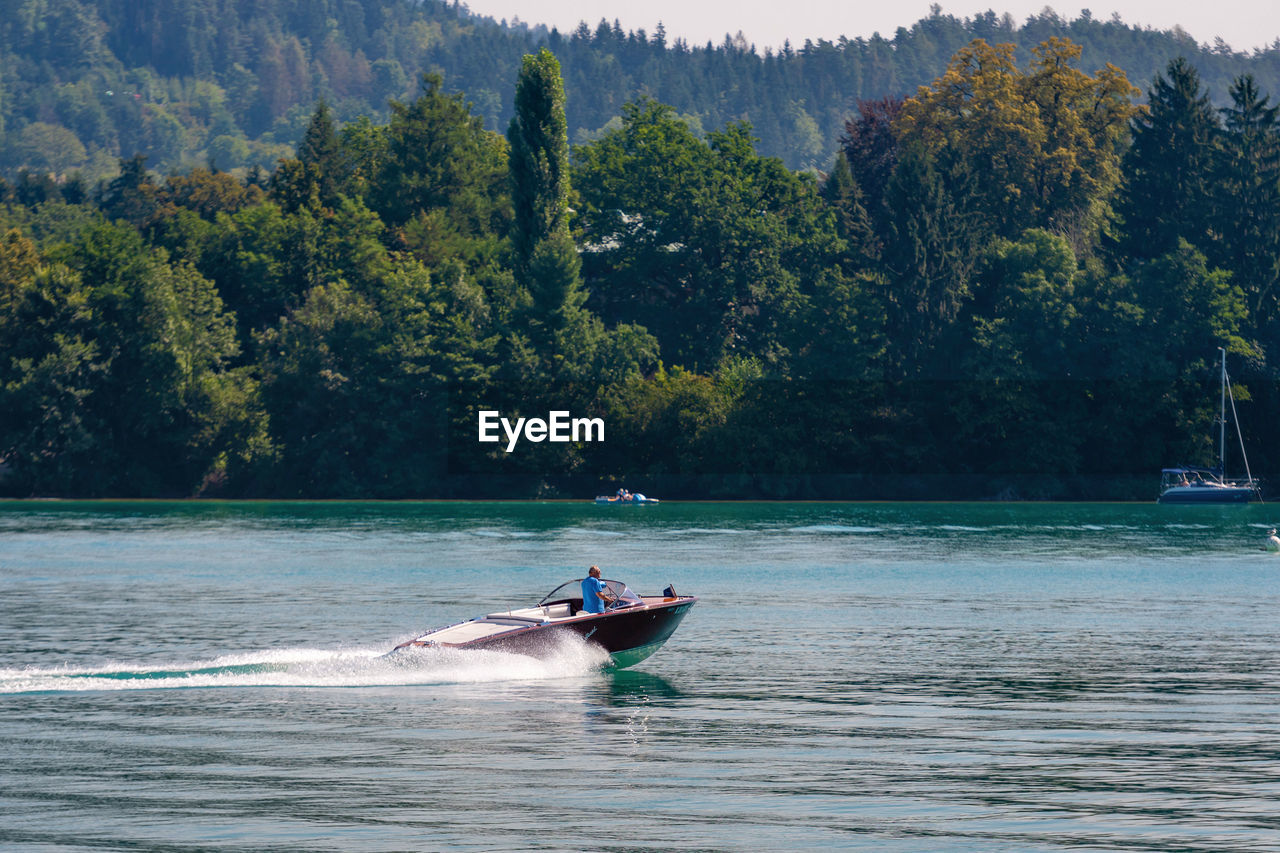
column 627, row 499
column 631, row 628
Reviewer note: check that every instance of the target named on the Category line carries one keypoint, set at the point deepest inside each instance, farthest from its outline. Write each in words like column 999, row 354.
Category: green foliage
column 1031, row 324
column 1169, row 167
column 954, row 297
column 1189, row 308
column 320, row 172
column 841, row 191
column 707, row 244
column 357, row 384
column 442, row 178
column 545, row 258
column 1246, row 180
column 262, row 259
column 131, row 196
column 194, row 81
column 48, row 147
column 539, row 156
column 115, row 374
column 930, row 246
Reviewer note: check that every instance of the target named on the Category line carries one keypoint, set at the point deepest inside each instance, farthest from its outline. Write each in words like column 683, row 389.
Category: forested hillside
column 198, row 82
column 1013, row 282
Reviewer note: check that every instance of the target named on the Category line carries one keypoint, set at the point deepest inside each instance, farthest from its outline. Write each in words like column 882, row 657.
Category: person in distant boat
column 1273, row 541
column 595, row 592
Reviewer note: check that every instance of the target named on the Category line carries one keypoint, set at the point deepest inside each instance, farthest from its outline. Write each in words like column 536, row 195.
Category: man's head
column 594, row 571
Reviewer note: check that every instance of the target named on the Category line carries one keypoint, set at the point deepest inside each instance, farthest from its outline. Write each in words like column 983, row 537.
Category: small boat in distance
column 1188, row 484
column 625, row 498
column 630, row 629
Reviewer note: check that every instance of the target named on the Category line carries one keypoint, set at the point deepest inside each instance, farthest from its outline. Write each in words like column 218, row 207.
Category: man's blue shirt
column 591, row 600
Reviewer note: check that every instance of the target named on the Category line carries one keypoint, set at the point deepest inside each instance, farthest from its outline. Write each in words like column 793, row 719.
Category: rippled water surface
column 207, row 676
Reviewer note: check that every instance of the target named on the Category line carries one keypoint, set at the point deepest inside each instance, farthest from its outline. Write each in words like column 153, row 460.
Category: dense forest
column 232, row 84
column 1012, row 283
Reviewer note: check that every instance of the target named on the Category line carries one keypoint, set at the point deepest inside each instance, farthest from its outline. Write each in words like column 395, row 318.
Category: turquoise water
column 206, row 676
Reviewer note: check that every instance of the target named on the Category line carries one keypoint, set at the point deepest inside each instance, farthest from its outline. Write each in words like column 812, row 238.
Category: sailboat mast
column 1222, row 418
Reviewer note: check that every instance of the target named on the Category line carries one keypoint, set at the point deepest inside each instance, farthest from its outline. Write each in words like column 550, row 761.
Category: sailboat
column 1191, row 485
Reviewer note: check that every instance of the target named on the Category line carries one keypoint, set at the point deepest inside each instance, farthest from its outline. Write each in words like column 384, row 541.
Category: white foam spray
column 318, row 668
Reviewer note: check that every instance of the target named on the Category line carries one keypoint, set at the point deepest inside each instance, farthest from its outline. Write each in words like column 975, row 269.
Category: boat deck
column 505, row 621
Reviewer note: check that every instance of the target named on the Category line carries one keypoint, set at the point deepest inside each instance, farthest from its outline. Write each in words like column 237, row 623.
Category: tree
column 1026, row 326
column 205, row 193
column 1189, row 309
column 1018, row 415
column 357, row 383
column 442, row 184
column 19, row 261
column 131, row 196
column 48, row 375
column 711, row 247
column 853, row 223
column 1167, row 195
column 320, row 170
column 538, row 156
column 1246, row 184
column 263, row 260
column 570, row 346
column 48, row 148
column 546, row 259
column 871, row 148
column 116, row 375
column 929, row 253
column 1042, row 146
column 1086, row 121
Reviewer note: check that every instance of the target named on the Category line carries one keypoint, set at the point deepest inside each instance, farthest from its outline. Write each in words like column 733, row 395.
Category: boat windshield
column 573, row 590
column 1200, row 477
column 1185, row 476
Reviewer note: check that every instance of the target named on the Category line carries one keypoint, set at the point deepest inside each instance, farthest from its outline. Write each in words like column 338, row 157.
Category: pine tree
column 1247, row 185
column 321, row 152
column 440, row 177
column 1167, row 195
column 131, row 196
column 929, row 254
column 843, row 194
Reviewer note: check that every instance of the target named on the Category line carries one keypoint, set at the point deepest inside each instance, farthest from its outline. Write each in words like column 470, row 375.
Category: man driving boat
column 595, row 592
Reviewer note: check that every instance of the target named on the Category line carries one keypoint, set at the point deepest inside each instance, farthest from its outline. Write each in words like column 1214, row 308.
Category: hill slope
column 84, row 82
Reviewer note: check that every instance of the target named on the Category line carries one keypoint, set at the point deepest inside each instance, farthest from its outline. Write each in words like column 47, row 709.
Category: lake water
column 888, row 677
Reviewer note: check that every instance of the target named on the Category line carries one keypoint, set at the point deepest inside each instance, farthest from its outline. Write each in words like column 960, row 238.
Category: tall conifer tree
column 1247, row 183
column 546, row 259
column 1167, row 195
column 842, row 192
column 321, row 151
column 929, row 255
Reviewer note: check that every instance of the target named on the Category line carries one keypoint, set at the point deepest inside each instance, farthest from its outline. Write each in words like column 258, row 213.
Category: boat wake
column 315, row 668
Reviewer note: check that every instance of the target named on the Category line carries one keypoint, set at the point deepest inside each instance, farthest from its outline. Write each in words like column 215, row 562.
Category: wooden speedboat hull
column 629, row 634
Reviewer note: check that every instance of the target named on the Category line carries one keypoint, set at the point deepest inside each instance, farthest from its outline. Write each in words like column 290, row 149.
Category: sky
column 1242, row 24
